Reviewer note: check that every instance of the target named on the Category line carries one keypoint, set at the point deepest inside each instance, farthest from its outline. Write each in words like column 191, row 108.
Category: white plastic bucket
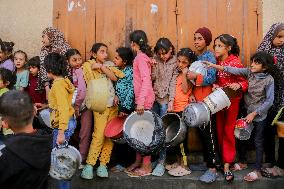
column 217, row 101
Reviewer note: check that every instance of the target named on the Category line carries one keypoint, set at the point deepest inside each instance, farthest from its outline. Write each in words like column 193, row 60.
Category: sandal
column 239, row 166
column 139, row 173
column 229, row 174
column 179, row 171
column 171, row 166
column 117, row 168
column 159, row 170
column 132, row 167
column 252, row 176
column 272, row 172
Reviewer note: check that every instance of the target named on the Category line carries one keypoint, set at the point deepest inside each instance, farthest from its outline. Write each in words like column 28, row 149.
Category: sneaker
column 208, row 177
column 102, row 171
column 87, row 172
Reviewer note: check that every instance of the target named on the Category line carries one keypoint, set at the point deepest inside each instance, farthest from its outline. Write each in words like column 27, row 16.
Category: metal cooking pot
column 175, row 129
column 198, row 67
column 196, row 115
column 243, row 129
column 65, row 161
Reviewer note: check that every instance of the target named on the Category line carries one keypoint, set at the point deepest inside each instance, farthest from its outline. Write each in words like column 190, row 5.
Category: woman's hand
column 249, row 118
column 140, row 109
column 41, row 106
column 115, row 101
column 60, row 137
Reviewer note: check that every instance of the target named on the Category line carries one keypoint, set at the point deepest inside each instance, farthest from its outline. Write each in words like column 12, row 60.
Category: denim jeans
column 160, row 109
column 63, row 184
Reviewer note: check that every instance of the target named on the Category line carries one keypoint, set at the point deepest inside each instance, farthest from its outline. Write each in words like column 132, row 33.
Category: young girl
column 227, row 52
column 182, row 98
column 100, row 146
column 7, row 81
column 163, row 76
column 143, row 92
column 20, row 59
column 6, row 55
column 202, row 88
column 164, row 80
column 74, row 59
column 273, row 43
column 60, row 102
column 258, row 99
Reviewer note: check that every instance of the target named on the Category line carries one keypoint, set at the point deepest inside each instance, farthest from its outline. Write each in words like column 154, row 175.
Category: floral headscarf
column 278, row 53
column 57, row 43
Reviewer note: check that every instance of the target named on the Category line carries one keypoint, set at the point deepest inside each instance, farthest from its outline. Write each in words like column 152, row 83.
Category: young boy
column 24, row 156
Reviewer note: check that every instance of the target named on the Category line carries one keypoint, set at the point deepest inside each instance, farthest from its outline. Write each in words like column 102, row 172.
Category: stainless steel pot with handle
column 196, row 114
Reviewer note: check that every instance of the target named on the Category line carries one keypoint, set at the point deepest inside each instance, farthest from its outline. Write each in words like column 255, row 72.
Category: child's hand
column 192, row 98
column 170, row 106
column 77, row 112
column 185, row 70
column 41, row 106
column 122, row 114
column 209, row 64
column 153, row 62
column 115, row 101
column 249, row 118
column 60, row 137
column 215, row 86
column 191, row 75
column 140, row 109
column 96, row 66
column 234, row 86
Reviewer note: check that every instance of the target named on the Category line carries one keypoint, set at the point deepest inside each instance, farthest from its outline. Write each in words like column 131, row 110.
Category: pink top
column 80, row 84
column 143, row 90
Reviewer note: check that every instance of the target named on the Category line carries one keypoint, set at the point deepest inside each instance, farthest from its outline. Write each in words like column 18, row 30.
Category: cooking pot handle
column 64, row 145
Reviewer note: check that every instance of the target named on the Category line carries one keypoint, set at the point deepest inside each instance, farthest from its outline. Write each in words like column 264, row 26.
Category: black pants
column 257, row 137
column 208, row 137
column 280, row 161
column 269, row 139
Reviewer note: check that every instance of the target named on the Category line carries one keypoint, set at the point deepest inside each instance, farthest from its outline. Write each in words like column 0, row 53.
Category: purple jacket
column 80, row 84
column 8, row 64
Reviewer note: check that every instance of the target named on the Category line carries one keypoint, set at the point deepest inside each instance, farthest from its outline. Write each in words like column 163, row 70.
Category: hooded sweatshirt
column 60, row 101
column 25, row 160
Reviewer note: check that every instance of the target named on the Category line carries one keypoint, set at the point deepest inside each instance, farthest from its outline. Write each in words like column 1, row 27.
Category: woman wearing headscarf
column 52, row 41
column 273, row 43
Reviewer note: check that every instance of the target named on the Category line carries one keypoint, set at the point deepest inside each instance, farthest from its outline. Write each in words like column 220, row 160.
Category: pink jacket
column 143, row 90
column 80, row 84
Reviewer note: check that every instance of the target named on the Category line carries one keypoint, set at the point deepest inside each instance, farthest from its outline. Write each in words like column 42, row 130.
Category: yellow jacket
column 60, row 101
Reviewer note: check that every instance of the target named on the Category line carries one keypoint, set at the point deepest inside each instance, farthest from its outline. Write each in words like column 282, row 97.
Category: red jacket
column 225, row 78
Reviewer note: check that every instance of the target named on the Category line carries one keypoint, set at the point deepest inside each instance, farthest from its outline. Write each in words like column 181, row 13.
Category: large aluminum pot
column 65, row 161
column 217, row 101
column 175, row 128
column 198, row 67
column 243, row 129
column 144, row 133
column 196, row 115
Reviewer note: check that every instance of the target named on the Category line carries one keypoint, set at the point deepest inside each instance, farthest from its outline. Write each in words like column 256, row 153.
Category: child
column 60, row 102
column 25, row 156
column 7, row 81
column 6, row 55
column 20, row 59
column 38, row 96
column 100, row 146
column 124, row 87
column 258, row 100
column 163, row 76
column 273, row 43
column 74, row 59
column 143, row 92
column 227, row 52
column 202, row 88
column 183, row 92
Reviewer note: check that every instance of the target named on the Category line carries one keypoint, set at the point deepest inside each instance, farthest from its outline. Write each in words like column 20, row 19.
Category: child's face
column 163, row 55
column 45, row 40
column 182, row 62
column 256, row 67
column 118, row 60
column 75, row 61
column 3, row 55
column 101, row 55
column 221, row 49
column 199, row 42
column 34, row 70
column 278, row 41
column 19, row 60
column 2, row 84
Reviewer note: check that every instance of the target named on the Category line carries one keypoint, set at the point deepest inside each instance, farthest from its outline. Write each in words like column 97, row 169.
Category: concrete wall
column 273, row 11
column 22, row 22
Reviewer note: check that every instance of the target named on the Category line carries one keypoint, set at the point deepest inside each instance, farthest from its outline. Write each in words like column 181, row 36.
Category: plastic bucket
column 243, row 129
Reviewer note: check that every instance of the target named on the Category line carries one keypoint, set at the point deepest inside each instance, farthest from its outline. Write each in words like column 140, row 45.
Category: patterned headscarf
column 278, row 52
column 57, row 43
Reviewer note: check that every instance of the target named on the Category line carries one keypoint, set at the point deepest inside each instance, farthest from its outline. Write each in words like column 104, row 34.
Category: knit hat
column 206, row 34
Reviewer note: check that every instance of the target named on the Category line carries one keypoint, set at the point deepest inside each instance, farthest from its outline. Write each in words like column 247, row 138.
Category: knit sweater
column 60, row 99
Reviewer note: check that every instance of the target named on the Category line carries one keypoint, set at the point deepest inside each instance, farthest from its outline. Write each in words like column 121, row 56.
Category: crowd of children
column 140, row 79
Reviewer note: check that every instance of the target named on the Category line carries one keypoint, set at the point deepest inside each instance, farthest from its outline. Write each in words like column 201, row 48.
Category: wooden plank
column 90, row 26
